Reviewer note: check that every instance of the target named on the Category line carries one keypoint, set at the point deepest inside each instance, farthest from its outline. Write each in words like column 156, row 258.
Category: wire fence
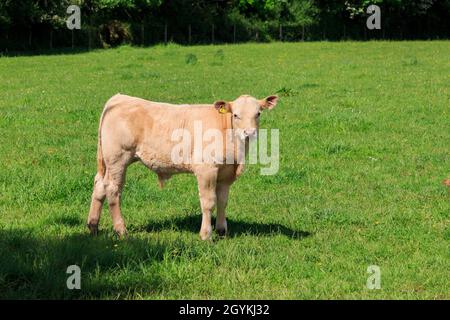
column 146, row 33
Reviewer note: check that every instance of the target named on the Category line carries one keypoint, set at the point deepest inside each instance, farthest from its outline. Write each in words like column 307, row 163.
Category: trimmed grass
column 364, row 146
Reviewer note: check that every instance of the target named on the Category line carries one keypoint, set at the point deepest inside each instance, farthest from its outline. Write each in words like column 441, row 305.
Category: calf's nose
column 250, row 132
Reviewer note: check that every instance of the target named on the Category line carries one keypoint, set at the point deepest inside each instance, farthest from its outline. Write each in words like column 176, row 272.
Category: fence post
column 89, row 37
column 190, row 34
column 212, row 34
column 234, row 33
column 89, row 28
column 73, row 40
column 281, row 32
column 51, row 38
column 30, row 36
column 142, row 33
column 165, row 33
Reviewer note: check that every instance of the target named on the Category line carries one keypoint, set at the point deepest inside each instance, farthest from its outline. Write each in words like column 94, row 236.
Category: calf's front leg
column 222, row 190
column 207, row 180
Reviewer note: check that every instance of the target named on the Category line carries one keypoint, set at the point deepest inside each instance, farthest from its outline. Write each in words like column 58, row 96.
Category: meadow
column 364, row 147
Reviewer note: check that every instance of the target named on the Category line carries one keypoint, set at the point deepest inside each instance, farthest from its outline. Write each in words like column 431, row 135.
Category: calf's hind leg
column 113, row 182
column 98, row 197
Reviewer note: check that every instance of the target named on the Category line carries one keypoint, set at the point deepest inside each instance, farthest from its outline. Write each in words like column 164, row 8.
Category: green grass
column 364, row 144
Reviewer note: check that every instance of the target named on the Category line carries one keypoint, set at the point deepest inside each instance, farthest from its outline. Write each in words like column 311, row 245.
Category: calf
column 133, row 129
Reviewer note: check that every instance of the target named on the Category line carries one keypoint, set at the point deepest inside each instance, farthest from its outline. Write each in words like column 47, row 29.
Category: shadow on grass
column 34, row 266
column 235, row 228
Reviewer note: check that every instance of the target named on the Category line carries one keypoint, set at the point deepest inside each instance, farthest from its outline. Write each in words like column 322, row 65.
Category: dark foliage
column 40, row 24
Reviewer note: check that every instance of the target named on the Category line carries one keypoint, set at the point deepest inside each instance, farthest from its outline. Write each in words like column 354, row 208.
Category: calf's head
column 245, row 112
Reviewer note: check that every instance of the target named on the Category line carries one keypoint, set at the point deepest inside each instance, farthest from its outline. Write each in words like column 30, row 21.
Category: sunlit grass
column 364, row 144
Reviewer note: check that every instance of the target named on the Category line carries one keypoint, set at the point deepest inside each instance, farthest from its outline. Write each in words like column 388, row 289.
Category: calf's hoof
column 222, row 232
column 93, row 229
column 121, row 231
column 221, row 228
column 205, row 234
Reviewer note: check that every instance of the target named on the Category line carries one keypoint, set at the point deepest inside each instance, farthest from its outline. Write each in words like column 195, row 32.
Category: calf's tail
column 100, row 162
column 101, row 167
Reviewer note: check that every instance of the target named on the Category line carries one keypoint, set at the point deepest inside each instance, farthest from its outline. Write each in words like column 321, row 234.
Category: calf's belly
column 161, row 162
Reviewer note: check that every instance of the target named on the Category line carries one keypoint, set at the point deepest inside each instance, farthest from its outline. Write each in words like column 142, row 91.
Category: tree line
column 41, row 24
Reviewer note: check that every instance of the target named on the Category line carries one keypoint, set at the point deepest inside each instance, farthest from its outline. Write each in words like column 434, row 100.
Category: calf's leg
column 98, row 197
column 222, row 190
column 207, row 191
column 114, row 180
column 116, row 165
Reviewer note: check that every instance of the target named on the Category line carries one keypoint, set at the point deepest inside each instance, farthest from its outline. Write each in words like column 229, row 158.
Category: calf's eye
column 258, row 114
column 235, row 116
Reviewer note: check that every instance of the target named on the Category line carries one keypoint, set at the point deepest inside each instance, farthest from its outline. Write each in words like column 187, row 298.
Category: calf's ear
column 269, row 102
column 222, row 106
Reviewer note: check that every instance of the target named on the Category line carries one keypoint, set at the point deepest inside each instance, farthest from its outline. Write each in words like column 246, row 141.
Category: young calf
column 133, row 129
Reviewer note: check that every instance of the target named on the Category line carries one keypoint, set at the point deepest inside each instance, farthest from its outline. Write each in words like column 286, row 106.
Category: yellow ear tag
column 222, row 110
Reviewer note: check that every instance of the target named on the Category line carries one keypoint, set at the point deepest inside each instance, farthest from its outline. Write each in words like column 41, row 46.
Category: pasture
column 364, row 147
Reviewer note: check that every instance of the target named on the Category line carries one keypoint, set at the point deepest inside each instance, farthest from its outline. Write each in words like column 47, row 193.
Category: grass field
column 364, row 147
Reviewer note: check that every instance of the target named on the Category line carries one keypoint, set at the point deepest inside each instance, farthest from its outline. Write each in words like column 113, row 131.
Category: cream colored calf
column 133, row 129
